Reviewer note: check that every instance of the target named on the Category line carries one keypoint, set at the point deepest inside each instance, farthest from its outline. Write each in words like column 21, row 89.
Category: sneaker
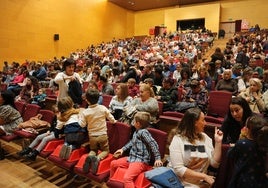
column 63, row 151
column 87, row 164
column 95, row 164
column 68, row 152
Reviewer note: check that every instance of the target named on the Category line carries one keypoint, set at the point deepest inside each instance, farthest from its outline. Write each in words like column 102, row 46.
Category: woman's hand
column 218, row 135
column 209, row 179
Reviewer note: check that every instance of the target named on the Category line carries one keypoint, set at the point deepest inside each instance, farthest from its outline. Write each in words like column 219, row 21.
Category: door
column 229, row 28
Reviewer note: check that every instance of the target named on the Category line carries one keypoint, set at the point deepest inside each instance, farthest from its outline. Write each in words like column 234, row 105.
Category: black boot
column 32, row 155
column 25, row 151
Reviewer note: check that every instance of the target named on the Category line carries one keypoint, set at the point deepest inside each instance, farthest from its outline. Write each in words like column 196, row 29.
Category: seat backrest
column 85, row 86
column 225, row 170
column 20, row 106
column 160, row 106
column 218, row 103
column 173, row 114
column 106, row 100
column 161, row 139
column 31, row 110
column 118, row 134
column 47, row 115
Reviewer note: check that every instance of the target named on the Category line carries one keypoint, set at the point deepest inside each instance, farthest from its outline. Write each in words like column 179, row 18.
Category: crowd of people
column 145, row 72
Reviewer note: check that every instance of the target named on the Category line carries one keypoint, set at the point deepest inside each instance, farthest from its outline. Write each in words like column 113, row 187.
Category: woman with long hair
column 120, row 100
column 10, row 118
column 191, row 150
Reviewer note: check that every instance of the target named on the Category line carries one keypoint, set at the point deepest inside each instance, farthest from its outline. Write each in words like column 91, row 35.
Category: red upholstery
column 106, row 100
column 3, row 87
column 170, row 115
column 160, row 106
column 50, row 147
column 31, row 110
column 69, row 163
column 85, row 86
column 218, row 103
column 115, row 142
column 20, row 106
column 9, row 138
column 47, row 115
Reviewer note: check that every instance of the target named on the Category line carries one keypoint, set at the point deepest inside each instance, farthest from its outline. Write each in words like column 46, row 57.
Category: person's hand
column 218, row 135
column 118, row 153
column 48, row 133
column 209, row 179
column 158, row 163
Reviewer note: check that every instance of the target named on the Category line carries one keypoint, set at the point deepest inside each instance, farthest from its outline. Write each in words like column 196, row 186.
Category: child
column 95, row 119
column 40, row 98
column 40, row 141
column 139, row 156
column 68, row 122
column 249, row 154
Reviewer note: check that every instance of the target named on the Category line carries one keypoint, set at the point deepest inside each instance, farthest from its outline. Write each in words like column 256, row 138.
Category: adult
column 10, row 118
column 168, row 94
column 243, row 82
column 227, row 83
column 120, row 100
column 191, row 150
column 253, row 95
column 234, row 121
column 107, row 88
column 66, row 76
column 146, row 102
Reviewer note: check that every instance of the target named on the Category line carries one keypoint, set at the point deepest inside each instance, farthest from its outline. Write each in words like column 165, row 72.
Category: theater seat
column 119, row 135
column 116, row 180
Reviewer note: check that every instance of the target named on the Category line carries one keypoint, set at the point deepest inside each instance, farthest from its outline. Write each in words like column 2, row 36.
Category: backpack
column 75, row 91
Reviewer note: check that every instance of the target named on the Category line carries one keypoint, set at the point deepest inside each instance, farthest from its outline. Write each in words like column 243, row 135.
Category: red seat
column 160, row 106
column 170, row 115
column 115, row 142
column 47, row 115
column 106, row 100
column 20, row 106
column 218, row 104
column 3, row 87
column 31, row 110
column 69, row 163
column 141, row 182
column 50, row 147
column 85, row 86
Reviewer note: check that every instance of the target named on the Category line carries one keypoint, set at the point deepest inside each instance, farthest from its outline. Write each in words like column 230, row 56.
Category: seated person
column 142, row 146
column 120, row 100
column 227, row 83
column 10, row 118
column 197, row 94
column 133, row 90
column 168, row 94
column 253, row 95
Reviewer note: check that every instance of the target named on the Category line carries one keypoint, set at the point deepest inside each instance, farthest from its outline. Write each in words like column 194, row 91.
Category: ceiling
column 138, row 5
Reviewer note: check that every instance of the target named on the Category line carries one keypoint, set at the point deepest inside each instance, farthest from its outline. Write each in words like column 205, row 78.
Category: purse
column 162, row 177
